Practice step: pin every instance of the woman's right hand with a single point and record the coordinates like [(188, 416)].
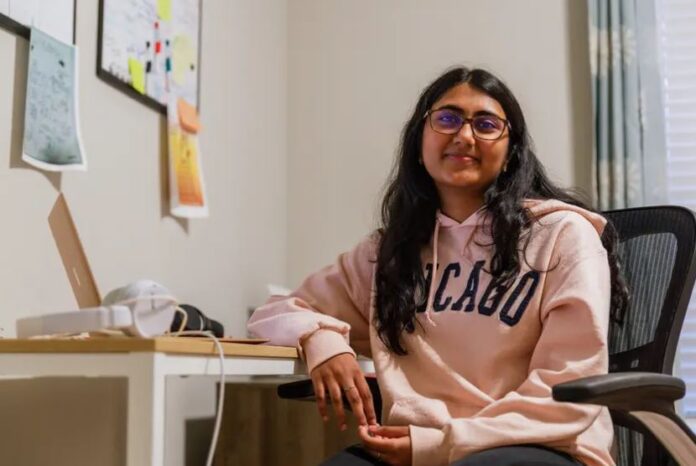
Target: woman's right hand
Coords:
[(342, 374)]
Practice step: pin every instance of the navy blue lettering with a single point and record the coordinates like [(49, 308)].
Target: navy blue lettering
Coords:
[(497, 290), (505, 316), (428, 279), (470, 290), (438, 304)]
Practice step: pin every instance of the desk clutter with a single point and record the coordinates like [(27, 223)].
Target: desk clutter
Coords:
[(143, 308), (140, 309)]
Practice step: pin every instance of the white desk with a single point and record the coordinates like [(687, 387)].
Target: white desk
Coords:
[(145, 363)]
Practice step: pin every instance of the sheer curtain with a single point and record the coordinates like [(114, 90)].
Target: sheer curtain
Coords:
[(629, 139)]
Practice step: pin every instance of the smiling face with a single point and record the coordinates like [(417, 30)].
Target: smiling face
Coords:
[(460, 163)]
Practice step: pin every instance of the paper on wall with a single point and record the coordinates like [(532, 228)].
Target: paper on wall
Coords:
[(52, 139), (186, 185), (163, 35)]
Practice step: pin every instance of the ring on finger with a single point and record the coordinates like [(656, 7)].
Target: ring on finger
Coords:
[(349, 388)]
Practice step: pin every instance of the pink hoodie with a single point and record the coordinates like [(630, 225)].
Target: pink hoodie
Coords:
[(480, 368)]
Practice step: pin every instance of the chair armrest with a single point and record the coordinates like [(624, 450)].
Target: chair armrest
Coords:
[(303, 390), (640, 401), (298, 390), (626, 391)]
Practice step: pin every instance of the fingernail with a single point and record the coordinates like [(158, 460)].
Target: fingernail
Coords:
[(344, 427)]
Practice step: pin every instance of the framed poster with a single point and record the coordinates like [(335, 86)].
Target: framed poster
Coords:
[(151, 48), (54, 17)]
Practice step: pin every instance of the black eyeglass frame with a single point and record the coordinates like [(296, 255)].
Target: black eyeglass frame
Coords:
[(465, 120)]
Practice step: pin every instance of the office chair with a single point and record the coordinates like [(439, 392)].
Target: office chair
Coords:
[(657, 251), (656, 247)]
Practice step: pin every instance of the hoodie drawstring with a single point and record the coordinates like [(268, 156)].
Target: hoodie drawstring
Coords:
[(431, 291)]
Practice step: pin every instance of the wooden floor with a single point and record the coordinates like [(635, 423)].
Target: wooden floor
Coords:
[(259, 429)]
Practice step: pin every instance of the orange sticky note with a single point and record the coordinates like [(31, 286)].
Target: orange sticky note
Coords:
[(188, 116), (186, 168)]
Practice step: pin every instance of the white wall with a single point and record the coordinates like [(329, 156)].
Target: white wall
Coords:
[(356, 69)]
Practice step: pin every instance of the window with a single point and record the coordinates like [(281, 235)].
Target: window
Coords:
[(677, 51)]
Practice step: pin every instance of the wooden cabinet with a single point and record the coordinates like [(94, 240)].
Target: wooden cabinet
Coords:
[(260, 429)]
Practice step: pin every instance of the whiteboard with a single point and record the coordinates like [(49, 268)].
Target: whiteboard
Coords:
[(54, 17), (148, 53)]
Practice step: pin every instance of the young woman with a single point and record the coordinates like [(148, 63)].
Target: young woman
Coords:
[(485, 286)]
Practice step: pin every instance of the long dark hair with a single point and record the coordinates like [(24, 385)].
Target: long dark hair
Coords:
[(411, 201)]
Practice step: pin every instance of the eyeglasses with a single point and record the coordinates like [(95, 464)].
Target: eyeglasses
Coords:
[(483, 127)]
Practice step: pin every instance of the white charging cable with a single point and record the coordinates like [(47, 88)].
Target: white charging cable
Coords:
[(221, 395), (202, 333)]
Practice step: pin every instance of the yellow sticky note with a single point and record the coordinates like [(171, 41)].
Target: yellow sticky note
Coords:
[(164, 9), (137, 73), (183, 58)]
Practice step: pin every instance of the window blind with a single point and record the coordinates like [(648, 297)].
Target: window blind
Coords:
[(677, 52)]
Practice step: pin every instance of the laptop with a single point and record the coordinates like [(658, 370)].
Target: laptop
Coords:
[(73, 255)]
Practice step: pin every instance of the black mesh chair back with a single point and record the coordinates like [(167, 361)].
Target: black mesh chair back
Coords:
[(656, 249)]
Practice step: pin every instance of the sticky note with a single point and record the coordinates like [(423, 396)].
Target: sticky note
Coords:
[(183, 57), (164, 9), (188, 116), (186, 168), (137, 74)]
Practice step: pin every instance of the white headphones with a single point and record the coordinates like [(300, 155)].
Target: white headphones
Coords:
[(142, 309)]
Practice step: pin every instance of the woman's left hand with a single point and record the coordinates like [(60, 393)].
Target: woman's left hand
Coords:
[(391, 444)]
